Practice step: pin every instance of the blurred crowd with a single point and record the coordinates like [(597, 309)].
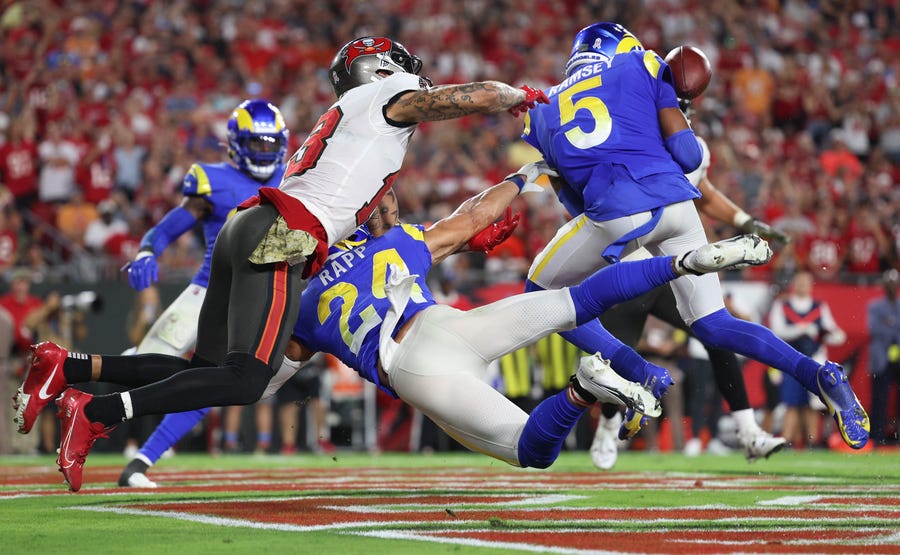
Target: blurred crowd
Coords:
[(105, 104)]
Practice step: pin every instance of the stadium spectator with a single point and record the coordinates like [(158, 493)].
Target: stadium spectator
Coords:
[(58, 157), (884, 358), (806, 323), (99, 231), (19, 160)]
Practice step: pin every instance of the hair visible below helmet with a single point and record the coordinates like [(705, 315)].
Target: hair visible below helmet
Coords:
[(257, 138), (599, 43), (368, 59)]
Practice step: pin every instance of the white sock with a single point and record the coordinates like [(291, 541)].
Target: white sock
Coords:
[(126, 402), (746, 419)]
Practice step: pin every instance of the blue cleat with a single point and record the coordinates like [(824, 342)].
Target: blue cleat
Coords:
[(844, 406), (632, 424)]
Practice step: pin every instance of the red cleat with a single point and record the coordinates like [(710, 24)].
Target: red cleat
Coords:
[(77, 435), (326, 447), (44, 381)]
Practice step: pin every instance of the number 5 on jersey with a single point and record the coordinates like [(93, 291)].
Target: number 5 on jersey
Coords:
[(579, 136)]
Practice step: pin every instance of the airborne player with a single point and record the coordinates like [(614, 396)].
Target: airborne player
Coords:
[(263, 254), (614, 132)]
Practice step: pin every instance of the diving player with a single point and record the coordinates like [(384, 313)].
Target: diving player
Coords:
[(257, 142), (614, 132), (264, 253), (371, 307)]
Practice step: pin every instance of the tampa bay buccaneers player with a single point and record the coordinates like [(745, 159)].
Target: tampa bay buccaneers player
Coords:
[(262, 255)]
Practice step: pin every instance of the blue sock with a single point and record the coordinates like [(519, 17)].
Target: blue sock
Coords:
[(592, 337), (172, 428), (721, 329), (618, 283), (546, 430)]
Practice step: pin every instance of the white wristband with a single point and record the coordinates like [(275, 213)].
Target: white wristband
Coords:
[(143, 254), (741, 218)]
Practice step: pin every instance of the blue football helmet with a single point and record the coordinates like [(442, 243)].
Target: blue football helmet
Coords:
[(599, 43), (257, 138)]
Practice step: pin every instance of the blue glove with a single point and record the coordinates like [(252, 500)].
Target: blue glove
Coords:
[(142, 271)]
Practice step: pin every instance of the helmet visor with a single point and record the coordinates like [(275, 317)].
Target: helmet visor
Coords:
[(410, 62), (264, 144)]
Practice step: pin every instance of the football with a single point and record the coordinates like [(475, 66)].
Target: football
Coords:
[(691, 71)]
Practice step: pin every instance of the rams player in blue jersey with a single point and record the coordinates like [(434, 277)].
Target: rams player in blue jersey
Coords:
[(257, 142), (614, 132), (370, 306)]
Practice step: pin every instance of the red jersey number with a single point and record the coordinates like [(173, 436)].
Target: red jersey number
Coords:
[(311, 150)]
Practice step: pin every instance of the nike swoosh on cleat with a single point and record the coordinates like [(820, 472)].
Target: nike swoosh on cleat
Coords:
[(65, 446), (43, 394)]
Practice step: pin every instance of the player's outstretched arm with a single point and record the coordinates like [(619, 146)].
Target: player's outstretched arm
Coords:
[(454, 101), (143, 270), (472, 226)]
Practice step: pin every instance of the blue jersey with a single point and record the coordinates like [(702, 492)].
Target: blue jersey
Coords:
[(601, 132), (224, 186), (344, 303)]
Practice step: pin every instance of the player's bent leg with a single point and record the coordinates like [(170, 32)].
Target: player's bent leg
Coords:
[(468, 409)]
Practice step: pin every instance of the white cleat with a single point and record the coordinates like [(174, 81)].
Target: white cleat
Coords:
[(139, 480), (600, 380), (605, 447), (760, 444), (737, 252)]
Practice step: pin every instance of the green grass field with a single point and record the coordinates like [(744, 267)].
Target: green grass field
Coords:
[(795, 502)]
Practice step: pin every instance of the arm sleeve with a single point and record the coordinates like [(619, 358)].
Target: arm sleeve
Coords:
[(696, 176), (172, 226), (685, 150)]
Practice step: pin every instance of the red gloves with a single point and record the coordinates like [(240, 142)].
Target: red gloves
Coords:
[(531, 97), (494, 234)]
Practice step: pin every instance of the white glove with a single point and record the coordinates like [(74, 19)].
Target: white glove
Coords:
[(532, 171)]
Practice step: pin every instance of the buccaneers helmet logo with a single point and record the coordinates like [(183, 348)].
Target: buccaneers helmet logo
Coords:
[(366, 47)]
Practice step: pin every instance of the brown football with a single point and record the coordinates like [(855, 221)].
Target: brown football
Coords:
[(691, 71)]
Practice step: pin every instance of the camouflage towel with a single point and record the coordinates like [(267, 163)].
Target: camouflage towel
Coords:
[(283, 244)]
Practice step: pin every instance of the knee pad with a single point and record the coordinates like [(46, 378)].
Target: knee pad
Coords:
[(253, 374)]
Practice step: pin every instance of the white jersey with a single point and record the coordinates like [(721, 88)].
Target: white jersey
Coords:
[(697, 175), (351, 156)]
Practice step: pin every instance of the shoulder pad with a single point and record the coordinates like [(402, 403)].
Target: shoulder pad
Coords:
[(655, 66), (196, 182), (414, 231)]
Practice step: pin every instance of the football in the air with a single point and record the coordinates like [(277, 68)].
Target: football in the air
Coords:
[(691, 71)]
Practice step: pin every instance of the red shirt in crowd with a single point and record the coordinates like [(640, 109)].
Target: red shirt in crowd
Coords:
[(862, 250), (19, 310), (18, 167), (822, 254)]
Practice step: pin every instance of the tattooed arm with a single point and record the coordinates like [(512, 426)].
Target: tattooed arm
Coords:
[(454, 101)]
